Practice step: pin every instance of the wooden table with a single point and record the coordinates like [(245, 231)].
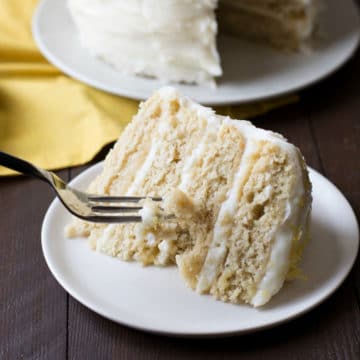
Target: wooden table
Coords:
[(39, 320)]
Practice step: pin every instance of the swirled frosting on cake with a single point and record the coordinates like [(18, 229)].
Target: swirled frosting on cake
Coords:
[(168, 39), (175, 40)]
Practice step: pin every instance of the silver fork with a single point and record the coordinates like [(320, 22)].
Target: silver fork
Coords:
[(89, 207)]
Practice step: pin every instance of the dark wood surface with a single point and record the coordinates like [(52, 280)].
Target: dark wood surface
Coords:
[(39, 320)]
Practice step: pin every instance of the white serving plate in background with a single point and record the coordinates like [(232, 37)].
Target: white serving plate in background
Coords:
[(251, 71)]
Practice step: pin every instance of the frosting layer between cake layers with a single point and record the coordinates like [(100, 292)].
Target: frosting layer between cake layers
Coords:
[(170, 39)]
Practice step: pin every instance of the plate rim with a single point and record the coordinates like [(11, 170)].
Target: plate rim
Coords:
[(55, 205), (130, 93)]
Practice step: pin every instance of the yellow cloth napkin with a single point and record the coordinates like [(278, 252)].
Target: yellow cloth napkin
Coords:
[(55, 121)]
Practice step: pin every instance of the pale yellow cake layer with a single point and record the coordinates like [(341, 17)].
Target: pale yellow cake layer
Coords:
[(285, 24)]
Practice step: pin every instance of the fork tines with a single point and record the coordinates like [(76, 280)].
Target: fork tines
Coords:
[(125, 199), (124, 209), (98, 205)]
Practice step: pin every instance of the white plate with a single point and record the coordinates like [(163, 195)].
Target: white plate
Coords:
[(251, 71), (156, 299)]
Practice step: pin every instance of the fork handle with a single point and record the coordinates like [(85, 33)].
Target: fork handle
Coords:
[(22, 166)]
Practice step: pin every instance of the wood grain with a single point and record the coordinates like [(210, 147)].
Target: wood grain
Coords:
[(334, 109), (322, 334), (38, 320), (313, 336), (32, 304)]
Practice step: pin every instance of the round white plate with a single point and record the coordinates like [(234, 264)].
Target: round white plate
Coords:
[(156, 299), (251, 71)]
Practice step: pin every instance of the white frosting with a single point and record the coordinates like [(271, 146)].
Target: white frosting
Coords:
[(186, 175), (173, 40), (142, 172), (151, 239), (165, 250), (150, 158), (148, 214), (278, 264)]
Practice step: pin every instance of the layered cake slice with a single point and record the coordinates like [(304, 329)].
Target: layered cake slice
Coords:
[(239, 198)]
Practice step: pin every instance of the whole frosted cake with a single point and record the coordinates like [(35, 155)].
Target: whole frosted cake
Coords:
[(175, 40), (239, 197)]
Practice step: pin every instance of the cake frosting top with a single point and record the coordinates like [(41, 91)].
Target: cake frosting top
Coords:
[(169, 39)]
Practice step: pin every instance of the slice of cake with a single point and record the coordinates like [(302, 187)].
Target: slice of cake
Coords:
[(239, 198), (175, 40)]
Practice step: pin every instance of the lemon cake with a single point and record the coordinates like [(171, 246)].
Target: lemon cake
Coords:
[(175, 40), (239, 199)]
